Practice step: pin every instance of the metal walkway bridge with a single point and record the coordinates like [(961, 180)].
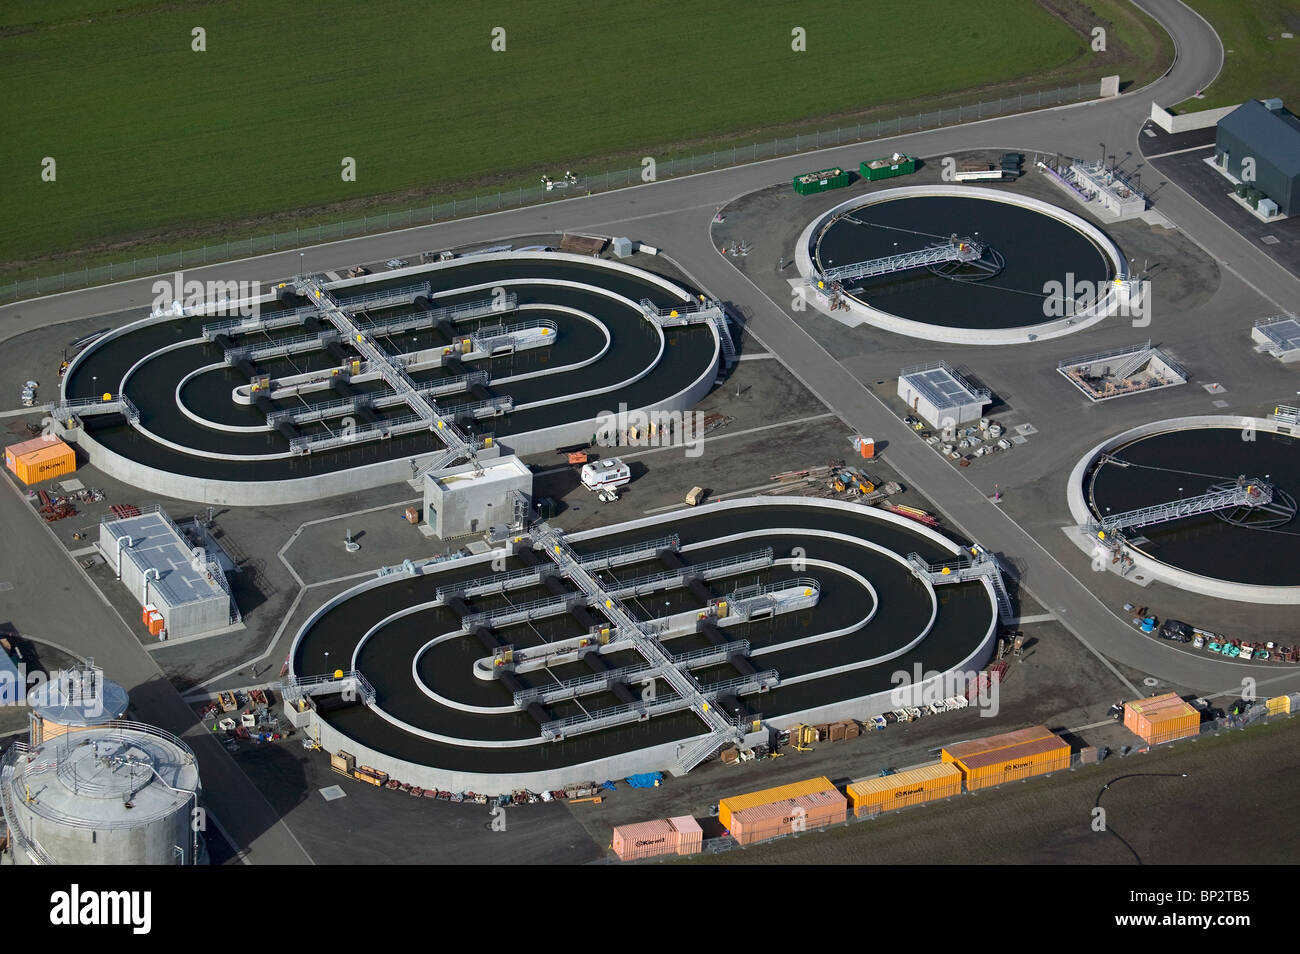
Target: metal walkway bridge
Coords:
[(459, 446), (295, 688), (955, 250), (704, 311), (85, 407), (979, 565), (660, 664), (1250, 493)]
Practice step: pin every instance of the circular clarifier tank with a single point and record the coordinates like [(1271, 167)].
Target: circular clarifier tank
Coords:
[(1246, 551), (1024, 269)]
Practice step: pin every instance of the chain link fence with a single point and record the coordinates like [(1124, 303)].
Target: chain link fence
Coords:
[(533, 195)]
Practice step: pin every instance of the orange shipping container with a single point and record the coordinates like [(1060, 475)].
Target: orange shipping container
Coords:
[(14, 451), (645, 840), (801, 813), (1161, 718), (46, 460), (1008, 757), (155, 624), (913, 787), (690, 836), (146, 611), (735, 803)]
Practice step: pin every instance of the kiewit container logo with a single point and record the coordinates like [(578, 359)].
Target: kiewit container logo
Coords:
[(76, 907), (176, 295)]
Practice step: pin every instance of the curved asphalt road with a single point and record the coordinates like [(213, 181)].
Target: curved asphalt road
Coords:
[(675, 215)]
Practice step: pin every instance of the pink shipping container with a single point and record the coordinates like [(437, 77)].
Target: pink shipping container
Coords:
[(690, 836), (645, 840), (750, 825)]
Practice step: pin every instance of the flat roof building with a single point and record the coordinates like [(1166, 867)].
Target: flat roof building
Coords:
[(940, 395), (183, 583)]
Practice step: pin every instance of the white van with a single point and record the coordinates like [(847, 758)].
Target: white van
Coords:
[(605, 474)]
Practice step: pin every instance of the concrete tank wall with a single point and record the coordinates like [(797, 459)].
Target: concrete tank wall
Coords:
[(153, 843)]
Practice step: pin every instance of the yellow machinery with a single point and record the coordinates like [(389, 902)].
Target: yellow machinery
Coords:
[(802, 737)]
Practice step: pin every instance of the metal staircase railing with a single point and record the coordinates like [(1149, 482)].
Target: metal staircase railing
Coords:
[(85, 407), (295, 688), (695, 312), (963, 569)]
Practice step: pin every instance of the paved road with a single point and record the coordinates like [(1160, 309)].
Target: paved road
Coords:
[(675, 215), (52, 599)]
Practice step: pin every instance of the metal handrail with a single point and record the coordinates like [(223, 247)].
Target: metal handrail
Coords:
[(351, 302), (937, 399), (1103, 355)]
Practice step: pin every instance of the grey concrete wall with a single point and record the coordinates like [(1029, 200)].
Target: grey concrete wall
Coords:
[(1154, 569), (1185, 122), (152, 843)]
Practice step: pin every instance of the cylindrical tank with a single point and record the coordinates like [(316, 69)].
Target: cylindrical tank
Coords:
[(73, 699), (123, 793)]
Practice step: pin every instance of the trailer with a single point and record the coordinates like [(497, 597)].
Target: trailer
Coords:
[(605, 474)]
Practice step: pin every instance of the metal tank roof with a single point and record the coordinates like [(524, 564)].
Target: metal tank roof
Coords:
[(123, 775), (78, 697)]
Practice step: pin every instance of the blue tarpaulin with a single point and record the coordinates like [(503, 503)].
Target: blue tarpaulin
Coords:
[(645, 780), (607, 785)]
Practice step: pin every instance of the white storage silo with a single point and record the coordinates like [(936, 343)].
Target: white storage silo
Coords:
[(120, 793)]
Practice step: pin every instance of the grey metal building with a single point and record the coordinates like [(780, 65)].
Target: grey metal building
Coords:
[(463, 500), (162, 568), (1259, 143)]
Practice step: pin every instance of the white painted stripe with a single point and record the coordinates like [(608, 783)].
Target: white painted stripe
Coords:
[(1179, 152), (1040, 618)]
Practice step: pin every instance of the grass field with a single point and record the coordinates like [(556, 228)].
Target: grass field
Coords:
[(160, 146), (1257, 61), (1046, 821)]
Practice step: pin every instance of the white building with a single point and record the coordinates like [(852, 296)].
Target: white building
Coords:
[(940, 396)]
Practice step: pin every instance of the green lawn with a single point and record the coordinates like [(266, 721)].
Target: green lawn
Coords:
[(1257, 61), (158, 145)]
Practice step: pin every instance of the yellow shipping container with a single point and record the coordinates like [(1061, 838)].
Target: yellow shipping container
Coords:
[(913, 787), (735, 803), (44, 463), (1008, 757), (1163, 718), (1279, 705)]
